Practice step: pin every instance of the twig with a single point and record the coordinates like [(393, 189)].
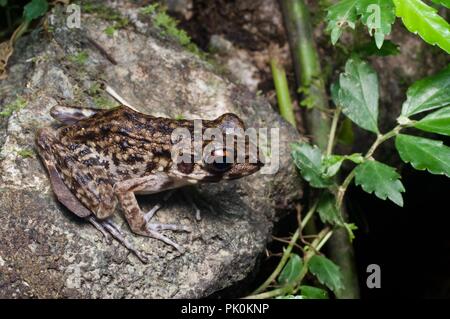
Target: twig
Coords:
[(119, 99), (102, 50)]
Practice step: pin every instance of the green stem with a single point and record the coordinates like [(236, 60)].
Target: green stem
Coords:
[(279, 268), (333, 129), (307, 67), (267, 294), (282, 89), (320, 240), (287, 251), (309, 214)]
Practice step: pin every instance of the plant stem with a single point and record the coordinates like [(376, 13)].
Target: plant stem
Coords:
[(309, 214), (287, 251), (381, 138), (307, 67), (321, 239), (310, 77), (282, 89), (333, 129), (279, 268)]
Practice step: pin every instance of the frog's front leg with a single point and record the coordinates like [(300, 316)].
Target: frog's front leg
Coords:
[(125, 192)]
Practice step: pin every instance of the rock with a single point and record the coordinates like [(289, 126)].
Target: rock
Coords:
[(45, 250)]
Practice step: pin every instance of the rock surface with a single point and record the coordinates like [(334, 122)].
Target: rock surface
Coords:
[(45, 251)]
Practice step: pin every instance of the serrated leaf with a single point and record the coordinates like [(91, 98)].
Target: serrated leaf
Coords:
[(429, 93), (419, 18), (326, 271), (378, 16), (424, 153), (436, 122), (358, 94), (328, 211), (35, 9), (369, 49), (309, 292), (291, 270), (445, 3), (339, 16), (381, 179), (308, 159)]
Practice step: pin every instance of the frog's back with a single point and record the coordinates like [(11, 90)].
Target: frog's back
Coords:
[(128, 143)]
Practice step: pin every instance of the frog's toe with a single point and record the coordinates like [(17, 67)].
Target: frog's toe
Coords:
[(155, 234)]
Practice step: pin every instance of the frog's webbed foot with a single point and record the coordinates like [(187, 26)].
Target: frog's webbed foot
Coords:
[(107, 228), (138, 221)]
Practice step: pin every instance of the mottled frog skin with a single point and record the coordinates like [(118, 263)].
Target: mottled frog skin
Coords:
[(103, 157)]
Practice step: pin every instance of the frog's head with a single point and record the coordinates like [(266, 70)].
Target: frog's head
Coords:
[(228, 152)]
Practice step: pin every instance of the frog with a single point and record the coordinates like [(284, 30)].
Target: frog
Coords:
[(98, 159)]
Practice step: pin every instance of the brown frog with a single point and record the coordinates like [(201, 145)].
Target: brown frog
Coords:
[(103, 157)]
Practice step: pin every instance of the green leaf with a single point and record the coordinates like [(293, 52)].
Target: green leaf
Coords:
[(424, 153), (428, 93), (326, 271), (3, 3), (378, 16), (339, 16), (331, 164), (445, 3), (35, 9), (291, 270), (436, 122), (358, 94), (328, 211), (308, 159), (350, 227), (420, 18), (369, 49), (309, 292), (382, 179)]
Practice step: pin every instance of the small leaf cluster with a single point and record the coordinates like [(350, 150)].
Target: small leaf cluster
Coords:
[(379, 15), (321, 267)]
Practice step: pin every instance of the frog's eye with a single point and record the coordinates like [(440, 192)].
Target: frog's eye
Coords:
[(219, 161)]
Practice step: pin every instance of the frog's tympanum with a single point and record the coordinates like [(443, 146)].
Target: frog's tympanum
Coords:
[(99, 158)]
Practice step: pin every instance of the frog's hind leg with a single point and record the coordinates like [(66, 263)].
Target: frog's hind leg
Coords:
[(136, 218), (70, 114), (77, 176), (45, 142)]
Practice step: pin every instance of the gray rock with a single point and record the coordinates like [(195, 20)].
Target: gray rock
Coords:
[(46, 251)]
